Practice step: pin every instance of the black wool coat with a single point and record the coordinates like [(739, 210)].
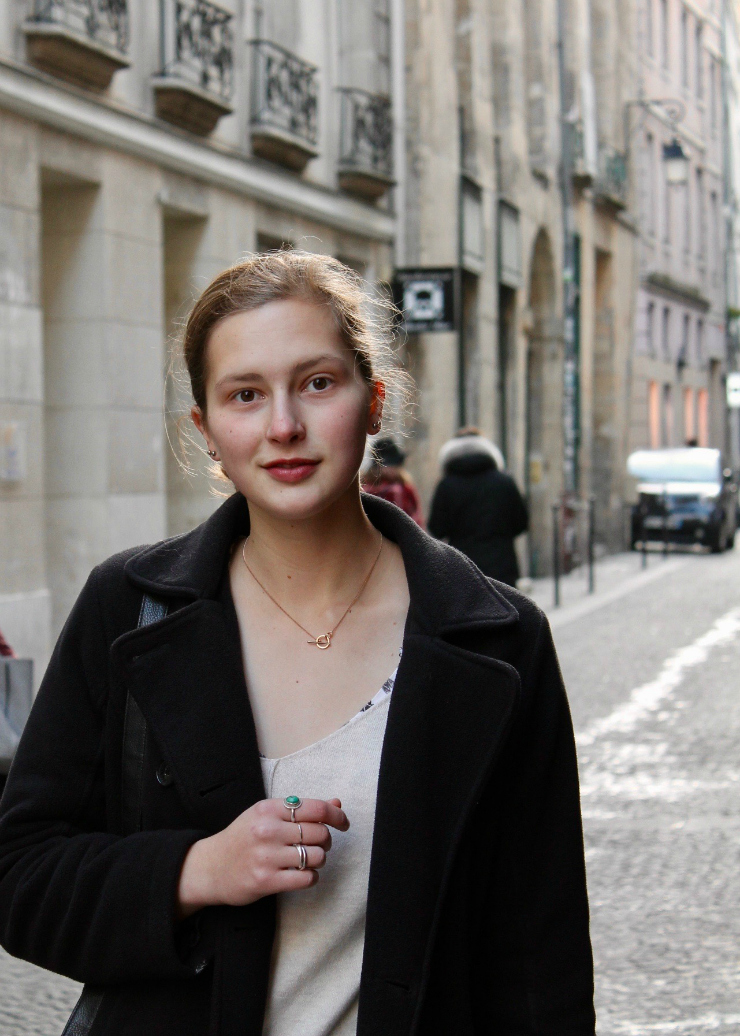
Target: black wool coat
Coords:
[(479, 510), (477, 918)]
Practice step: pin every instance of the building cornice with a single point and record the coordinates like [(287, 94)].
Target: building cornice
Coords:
[(33, 95), (664, 285)]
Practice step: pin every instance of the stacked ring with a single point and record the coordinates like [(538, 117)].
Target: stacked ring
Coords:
[(300, 832), (302, 856)]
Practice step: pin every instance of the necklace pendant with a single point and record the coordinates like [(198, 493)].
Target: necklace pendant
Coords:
[(322, 642)]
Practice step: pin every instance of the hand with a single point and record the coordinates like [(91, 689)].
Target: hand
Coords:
[(255, 855)]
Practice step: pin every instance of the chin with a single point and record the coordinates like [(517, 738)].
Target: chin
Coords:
[(297, 502)]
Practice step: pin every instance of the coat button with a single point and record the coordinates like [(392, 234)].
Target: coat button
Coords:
[(164, 775), (201, 966)]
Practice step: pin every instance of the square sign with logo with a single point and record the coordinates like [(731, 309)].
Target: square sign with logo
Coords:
[(733, 390), (427, 298)]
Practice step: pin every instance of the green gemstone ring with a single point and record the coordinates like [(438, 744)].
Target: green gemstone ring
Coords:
[(292, 802)]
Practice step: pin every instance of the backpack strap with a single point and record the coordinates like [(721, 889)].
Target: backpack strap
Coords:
[(135, 736)]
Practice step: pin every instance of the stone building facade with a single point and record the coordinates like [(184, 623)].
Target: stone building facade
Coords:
[(144, 146), (680, 339), (486, 100)]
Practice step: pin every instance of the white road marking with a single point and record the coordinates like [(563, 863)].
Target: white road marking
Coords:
[(647, 698), (707, 1023)]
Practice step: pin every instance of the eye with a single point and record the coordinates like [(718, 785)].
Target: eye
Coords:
[(318, 384), (246, 396)]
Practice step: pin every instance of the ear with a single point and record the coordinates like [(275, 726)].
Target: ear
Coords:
[(375, 412), (200, 423)]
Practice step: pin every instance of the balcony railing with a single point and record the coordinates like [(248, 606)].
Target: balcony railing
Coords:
[(84, 41), (366, 143), (611, 179), (284, 125), (195, 86)]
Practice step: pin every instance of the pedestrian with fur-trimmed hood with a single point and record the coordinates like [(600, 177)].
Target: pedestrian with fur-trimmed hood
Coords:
[(477, 507)]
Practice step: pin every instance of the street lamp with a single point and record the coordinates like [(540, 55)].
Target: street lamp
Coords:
[(676, 164)]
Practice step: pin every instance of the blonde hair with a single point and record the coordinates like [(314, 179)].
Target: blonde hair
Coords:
[(365, 322)]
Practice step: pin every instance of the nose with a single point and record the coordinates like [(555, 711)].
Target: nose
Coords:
[(285, 423)]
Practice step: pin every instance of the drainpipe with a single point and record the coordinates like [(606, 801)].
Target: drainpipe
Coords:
[(570, 299)]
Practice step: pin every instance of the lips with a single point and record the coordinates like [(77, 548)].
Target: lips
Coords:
[(295, 469)]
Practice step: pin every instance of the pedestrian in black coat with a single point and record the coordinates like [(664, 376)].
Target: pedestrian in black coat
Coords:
[(139, 853), (477, 507)]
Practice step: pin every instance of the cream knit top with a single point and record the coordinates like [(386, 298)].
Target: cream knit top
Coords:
[(317, 957)]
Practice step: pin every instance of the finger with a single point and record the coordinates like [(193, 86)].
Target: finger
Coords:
[(294, 881), (317, 811), (313, 834), (290, 857)]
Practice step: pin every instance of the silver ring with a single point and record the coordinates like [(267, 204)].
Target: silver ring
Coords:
[(292, 803), (300, 832), (302, 856)]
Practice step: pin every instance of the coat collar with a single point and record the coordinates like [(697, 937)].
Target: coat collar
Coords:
[(448, 592)]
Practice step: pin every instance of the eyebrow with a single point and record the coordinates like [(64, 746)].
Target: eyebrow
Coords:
[(299, 368)]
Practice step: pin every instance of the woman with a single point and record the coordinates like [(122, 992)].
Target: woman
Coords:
[(477, 507), (228, 814), (386, 478)]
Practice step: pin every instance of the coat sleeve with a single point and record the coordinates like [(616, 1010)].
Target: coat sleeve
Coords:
[(75, 898), (538, 963)]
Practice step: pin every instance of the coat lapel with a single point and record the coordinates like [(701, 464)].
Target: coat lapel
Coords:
[(448, 717), (186, 676)]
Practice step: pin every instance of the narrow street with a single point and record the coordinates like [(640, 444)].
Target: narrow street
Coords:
[(652, 672)]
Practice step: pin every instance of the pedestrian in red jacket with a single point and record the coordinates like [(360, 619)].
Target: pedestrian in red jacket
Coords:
[(387, 479)]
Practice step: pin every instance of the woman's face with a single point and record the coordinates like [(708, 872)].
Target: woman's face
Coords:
[(286, 414)]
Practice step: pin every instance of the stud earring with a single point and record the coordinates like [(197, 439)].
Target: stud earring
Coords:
[(376, 425), (212, 453)]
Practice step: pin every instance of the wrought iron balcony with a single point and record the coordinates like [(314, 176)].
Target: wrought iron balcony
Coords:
[(82, 41), (611, 182), (284, 127), (366, 144), (195, 86)]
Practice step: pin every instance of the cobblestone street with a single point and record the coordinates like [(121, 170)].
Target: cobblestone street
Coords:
[(651, 663)]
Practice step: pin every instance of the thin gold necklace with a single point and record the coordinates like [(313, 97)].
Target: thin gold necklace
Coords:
[(323, 641)]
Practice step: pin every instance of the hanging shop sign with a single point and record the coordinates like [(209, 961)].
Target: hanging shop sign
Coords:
[(733, 390), (427, 299)]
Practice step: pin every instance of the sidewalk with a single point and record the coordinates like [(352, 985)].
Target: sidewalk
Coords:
[(615, 576)]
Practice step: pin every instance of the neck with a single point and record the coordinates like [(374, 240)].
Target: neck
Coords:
[(323, 557)]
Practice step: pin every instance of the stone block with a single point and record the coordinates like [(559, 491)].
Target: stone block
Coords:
[(133, 280), (135, 519), (133, 364), (129, 198), (74, 277), (69, 160), (19, 184), (19, 256), (25, 619), (21, 353), (77, 538), (74, 363), (76, 452), (21, 545), (135, 452)]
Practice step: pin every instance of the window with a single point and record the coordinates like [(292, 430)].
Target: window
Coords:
[(689, 417), (649, 28), (714, 94), (687, 217), (683, 356), (702, 417), (666, 342), (667, 429), (667, 210), (654, 414), (649, 324), (699, 60), (685, 48), (699, 342), (664, 52)]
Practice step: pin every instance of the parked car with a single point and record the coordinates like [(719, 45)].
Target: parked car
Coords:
[(685, 496)]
